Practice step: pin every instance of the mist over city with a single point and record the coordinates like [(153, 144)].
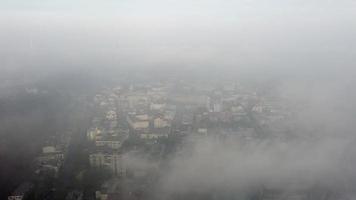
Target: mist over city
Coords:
[(178, 100)]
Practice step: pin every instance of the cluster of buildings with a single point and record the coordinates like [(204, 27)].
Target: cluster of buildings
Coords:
[(148, 113), (151, 112), (53, 154), (137, 118), (142, 112), (106, 135), (157, 110), (50, 160)]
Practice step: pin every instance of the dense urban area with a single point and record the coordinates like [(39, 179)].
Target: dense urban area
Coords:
[(123, 141)]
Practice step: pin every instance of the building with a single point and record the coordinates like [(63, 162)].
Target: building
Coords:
[(21, 192), (156, 133), (138, 122), (160, 122), (157, 106), (113, 144), (93, 133), (107, 160), (50, 161), (48, 149)]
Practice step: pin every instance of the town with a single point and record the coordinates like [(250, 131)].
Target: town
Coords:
[(134, 131)]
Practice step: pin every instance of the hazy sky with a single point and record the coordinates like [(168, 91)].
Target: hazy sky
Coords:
[(190, 34)]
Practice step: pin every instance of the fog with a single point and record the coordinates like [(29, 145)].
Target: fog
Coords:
[(55, 55), (178, 34), (319, 150)]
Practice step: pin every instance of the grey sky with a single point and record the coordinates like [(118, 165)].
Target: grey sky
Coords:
[(198, 33)]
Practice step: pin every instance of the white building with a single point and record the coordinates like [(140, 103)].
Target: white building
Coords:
[(138, 122)]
